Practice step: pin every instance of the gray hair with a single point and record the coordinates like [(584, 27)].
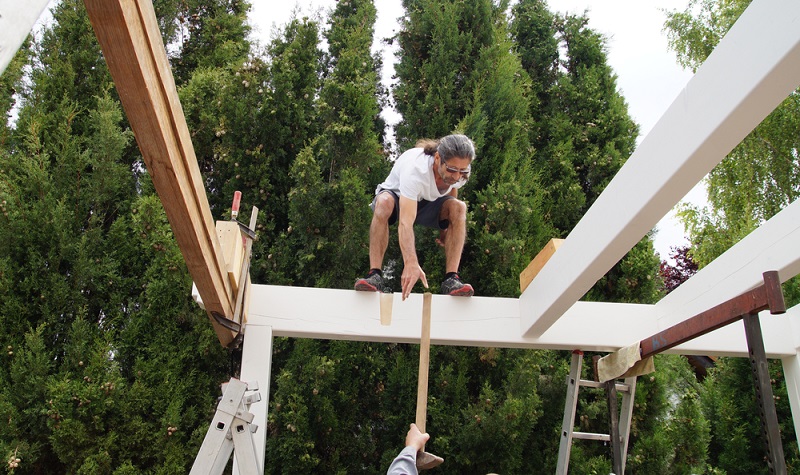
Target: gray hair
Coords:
[(449, 146)]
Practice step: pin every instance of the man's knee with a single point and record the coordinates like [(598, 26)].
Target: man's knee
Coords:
[(384, 206), (454, 210)]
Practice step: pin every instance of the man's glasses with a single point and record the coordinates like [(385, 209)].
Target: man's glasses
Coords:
[(464, 173)]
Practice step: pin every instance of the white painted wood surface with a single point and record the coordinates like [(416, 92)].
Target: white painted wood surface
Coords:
[(16, 21), (304, 312), (257, 366), (791, 371), (773, 246)]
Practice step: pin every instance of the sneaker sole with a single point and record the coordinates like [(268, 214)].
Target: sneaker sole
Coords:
[(364, 286), (465, 291)]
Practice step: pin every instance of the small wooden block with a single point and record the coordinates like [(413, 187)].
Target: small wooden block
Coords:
[(231, 240), (530, 272), (386, 301)]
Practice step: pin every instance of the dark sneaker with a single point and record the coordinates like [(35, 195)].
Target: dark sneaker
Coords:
[(373, 282), (453, 286)]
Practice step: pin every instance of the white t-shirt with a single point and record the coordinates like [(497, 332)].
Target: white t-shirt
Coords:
[(412, 177)]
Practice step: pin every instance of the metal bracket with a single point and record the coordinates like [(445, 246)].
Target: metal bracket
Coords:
[(240, 294), (766, 402), (226, 322)]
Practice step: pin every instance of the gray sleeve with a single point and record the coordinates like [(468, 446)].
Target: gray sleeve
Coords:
[(405, 463)]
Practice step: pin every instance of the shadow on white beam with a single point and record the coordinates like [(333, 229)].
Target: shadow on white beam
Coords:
[(303, 312), (753, 69), (476, 321)]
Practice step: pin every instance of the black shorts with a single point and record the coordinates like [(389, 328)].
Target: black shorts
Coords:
[(427, 211)]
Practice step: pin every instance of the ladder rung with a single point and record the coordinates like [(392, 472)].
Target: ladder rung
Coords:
[(591, 436), (621, 388)]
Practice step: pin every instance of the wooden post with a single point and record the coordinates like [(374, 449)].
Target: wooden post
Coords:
[(424, 362), (425, 460)]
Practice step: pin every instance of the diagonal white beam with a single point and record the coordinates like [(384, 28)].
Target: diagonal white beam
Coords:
[(773, 246), (754, 68), (16, 20)]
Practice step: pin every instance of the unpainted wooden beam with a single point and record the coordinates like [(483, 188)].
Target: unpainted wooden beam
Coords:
[(530, 272), (134, 51)]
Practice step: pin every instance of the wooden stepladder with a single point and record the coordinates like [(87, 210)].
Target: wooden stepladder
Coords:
[(619, 419)]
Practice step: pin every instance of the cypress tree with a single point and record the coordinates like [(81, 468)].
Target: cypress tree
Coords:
[(509, 227), (336, 174), (85, 306), (439, 43), (216, 32)]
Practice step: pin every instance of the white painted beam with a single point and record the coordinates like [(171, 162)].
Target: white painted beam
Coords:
[(475, 321), (16, 20), (791, 371), (754, 68), (303, 312), (257, 367)]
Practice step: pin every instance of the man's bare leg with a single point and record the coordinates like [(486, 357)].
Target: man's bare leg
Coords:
[(378, 242), (454, 211), (379, 229)]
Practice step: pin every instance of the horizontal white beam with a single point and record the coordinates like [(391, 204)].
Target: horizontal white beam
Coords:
[(753, 69), (304, 312)]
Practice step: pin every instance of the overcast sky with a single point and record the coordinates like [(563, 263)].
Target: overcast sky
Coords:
[(648, 76)]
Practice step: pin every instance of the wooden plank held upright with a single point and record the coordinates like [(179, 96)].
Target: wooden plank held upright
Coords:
[(131, 42)]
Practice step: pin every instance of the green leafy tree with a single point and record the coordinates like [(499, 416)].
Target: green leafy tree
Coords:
[(759, 177), (508, 225), (10, 86), (336, 174), (250, 116), (215, 32), (582, 135), (753, 183)]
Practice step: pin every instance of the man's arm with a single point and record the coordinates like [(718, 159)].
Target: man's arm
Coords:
[(412, 272), (406, 461)]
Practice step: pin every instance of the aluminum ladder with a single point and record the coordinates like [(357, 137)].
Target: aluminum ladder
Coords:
[(619, 419)]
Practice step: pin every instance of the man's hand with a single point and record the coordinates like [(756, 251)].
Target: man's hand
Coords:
[(411, 274), (416, 439), (442, 237)]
